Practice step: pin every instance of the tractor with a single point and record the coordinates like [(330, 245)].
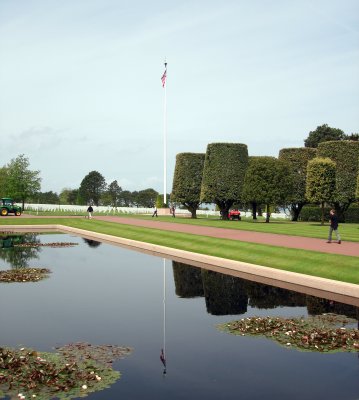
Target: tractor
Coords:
[(8, 206)]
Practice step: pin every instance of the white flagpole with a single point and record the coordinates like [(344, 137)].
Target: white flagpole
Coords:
[(165, 140), (164, 311)]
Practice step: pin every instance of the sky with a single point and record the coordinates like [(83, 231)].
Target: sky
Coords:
[(80, 81)]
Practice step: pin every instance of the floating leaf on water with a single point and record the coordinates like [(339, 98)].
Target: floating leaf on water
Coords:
[(24, 275), (54, 244), (66, 374), (319, 333)]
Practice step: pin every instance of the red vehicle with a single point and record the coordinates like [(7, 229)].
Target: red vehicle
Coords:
[(234, 214)]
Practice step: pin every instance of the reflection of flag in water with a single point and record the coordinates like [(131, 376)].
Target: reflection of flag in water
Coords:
[(163, 77), (162, 358)]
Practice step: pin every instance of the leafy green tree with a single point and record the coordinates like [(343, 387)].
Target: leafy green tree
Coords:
[(92, 187), (321, 173), (21, 182), (3, 179), (114, 191), (345, 155), (147, 198), (223, 174), (267, 181), (323, 133), (187, 181), (297, 158)]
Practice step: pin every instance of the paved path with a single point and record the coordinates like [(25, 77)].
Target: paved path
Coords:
[(296, 242)]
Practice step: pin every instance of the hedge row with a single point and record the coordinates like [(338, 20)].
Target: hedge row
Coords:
[(314, 214)]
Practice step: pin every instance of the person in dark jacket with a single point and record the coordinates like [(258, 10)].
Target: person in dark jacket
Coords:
[(333, 219), (90, 211)]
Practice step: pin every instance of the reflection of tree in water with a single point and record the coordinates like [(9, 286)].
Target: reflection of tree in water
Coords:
[(92, 243), (266, 296), (224, 294), (188, 280), (317, 306), (18, 257)]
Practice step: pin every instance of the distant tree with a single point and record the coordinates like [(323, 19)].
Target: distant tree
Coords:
[(21, 182), (321, 173), (357, 188), (267, 181), (114, 192), (64, 195), (147, 198), (345, 155), (297, 158), (223, 174), (45, 198), (160, 200), (323, 133), (125, 199), (73, 196), (352, 136), (92, 187), (187, 181)]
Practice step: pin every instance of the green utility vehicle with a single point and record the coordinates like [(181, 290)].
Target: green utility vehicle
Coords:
[(7, 206)]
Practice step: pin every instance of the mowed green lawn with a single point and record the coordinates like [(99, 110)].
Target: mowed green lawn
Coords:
[(349, 232), (337, 267)]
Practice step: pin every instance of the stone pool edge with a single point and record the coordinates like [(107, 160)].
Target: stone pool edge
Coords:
[(349, 290)]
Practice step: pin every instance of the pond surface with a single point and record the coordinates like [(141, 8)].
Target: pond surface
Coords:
[(105, 294)]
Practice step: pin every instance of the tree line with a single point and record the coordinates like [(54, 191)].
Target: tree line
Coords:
[(324, 171), (24, 185)]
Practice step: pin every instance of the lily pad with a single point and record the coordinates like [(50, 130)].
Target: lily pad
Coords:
[(75, 370), (54, 244), (24, 275), (322, 333)]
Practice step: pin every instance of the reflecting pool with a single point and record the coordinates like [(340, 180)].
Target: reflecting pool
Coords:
[(105, 294)]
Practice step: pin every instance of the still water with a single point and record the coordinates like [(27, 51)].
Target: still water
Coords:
[(105, 294)]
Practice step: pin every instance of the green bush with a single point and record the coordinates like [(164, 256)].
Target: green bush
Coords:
[(312, 213)]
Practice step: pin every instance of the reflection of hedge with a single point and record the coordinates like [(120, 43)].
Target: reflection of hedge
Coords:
[(223, 174), (224, 294), (345, 154), (313, 214), (266, 296), (188, 280), (318, 306)]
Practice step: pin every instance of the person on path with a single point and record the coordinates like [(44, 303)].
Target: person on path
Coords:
[(90, 211), (155, 212), (333, 219), (173, 211)]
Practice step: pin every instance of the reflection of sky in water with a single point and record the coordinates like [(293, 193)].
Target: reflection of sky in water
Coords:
[(112, 295)]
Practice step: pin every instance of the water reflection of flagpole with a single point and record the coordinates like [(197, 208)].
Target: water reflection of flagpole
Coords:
[(163, 351)]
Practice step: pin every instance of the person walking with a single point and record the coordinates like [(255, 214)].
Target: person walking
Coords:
[(90, 211), (333, 219), (155, 212), (173, 211)]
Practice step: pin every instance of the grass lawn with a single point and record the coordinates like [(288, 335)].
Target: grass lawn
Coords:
[(348, 232), (337, 267)]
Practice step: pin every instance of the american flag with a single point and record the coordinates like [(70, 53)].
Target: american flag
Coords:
[(163, 78)]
